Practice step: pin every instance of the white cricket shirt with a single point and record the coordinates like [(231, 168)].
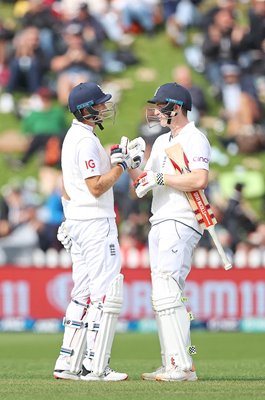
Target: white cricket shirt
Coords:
[(170, 203), (83, 156)]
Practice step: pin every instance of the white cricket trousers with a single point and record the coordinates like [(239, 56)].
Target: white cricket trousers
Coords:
[(95, 256), (171, 247)]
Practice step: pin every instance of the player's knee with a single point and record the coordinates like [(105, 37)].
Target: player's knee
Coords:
[(166, 293), (114, 296)]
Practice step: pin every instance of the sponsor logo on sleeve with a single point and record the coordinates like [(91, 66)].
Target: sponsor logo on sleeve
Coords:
[(90, 164), (201, 159)]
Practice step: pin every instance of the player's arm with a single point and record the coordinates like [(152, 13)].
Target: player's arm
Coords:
[(193, 181), (134, 173), (97, 185), (89, 162), (192, 165), (196, 180)]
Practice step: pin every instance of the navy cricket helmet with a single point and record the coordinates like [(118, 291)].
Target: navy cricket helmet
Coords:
[(86, 96), (172, 93)]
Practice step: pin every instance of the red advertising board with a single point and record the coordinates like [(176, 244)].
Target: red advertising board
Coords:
[(44, 293)]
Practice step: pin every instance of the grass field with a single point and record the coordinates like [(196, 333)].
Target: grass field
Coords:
[(229, 366)]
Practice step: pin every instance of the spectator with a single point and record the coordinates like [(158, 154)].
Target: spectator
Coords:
[(6, 35), (255, 38), (182, 75), (28, 64), (222, 44), (134, 232), (207, 18), (50, 217), (122, 198), (242, 109), (91, 26), (40, 15), (75, 63), (186, 14), (237, 219), (21, 237), (169, 8), (257, 238), (45, 129), (94, 35), (256, 14), (5, 227), (141, 12), (109, 15)]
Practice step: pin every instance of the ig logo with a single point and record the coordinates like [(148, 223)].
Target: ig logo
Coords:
[(90, 164)]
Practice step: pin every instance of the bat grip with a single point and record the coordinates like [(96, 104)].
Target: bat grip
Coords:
[(226, 263)]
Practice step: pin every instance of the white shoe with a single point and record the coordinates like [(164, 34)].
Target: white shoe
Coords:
[(176, 374), (108, 375), (62, 369), (151, 376), (65, 374)]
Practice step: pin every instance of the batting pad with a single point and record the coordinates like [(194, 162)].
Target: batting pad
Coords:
[(83, 337), (161, 339), (74, 329), (93, 325), (174, 321), (78, 347), (111, 310)]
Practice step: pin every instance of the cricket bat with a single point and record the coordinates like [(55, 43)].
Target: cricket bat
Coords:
[(198, 201)]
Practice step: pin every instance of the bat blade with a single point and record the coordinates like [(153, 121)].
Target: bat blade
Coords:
[(198, 201)]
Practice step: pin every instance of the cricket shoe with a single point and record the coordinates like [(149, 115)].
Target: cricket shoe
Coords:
[(62, 370), (108, 375), (65, 374), (151, 376), (176, 374)]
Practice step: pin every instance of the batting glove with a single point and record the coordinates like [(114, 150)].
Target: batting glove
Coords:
[(147, 181), (64, 238), (119, 154), (136, 149)]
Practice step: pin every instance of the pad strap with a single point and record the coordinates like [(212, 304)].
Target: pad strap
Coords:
[(80, 304), (70, 323), (66, 351)]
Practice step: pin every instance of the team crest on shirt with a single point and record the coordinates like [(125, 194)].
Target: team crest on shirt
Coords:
[(112, 249), (90, 164)]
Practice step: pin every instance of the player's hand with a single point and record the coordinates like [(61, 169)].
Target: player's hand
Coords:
[(64, 238), (136, 149), (119, 154), (147, 181)]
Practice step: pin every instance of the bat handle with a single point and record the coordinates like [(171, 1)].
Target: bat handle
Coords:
[(226, 262)]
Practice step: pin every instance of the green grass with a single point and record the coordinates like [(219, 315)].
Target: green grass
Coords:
[(229, 366)]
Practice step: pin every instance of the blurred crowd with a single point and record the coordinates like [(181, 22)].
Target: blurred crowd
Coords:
[(48, 47)]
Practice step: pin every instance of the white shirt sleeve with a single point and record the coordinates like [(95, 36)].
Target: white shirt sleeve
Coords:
[(88, 158), (199, 154)]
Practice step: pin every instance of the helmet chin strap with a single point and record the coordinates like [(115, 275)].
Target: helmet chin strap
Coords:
[(93, 114), (168, 110), (101, 127), (172, 114)]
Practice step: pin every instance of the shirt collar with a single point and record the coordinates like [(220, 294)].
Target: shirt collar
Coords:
[(183, 130), (87, 127)]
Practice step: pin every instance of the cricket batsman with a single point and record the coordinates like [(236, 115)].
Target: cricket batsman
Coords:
[(175, 231), (90, 232)]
